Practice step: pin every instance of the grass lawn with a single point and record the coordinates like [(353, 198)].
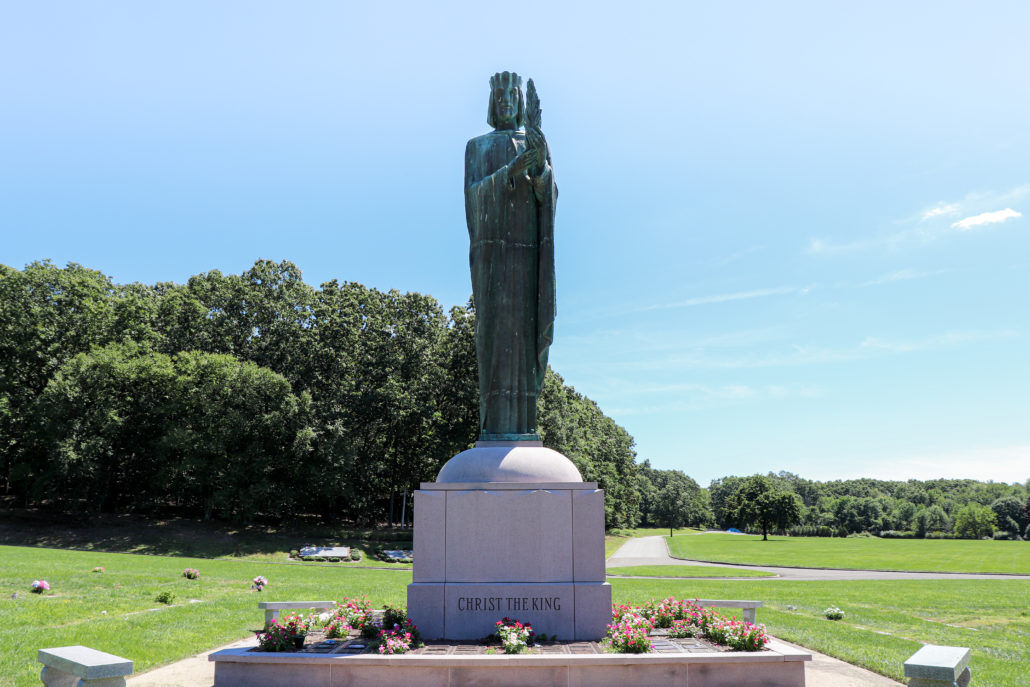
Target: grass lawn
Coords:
[(616, 538), (185, 537), (135, 625), (930, 555), (685, 571), (885, 619)]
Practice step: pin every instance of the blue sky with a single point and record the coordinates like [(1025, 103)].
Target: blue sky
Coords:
[(791, 236)]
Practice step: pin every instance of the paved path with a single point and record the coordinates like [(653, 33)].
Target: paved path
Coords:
[(654, 551)]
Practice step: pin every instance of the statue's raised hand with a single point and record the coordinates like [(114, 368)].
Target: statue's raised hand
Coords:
[(536, 143), (527, 162)]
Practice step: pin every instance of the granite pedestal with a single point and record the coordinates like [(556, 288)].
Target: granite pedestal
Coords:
[(527, 544)]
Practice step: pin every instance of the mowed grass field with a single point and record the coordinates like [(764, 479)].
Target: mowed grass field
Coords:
[(885, 622), (861, 553), (218, 608), (685, 571)]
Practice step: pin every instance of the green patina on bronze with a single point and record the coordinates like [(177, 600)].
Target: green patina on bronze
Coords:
[(510, 198)]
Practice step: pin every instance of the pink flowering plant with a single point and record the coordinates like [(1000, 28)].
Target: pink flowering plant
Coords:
[(663, 613), (275, 637), (98, 569), (685, 628), (515, 636), (398, 637), (632, 625), (743, 636), (259, 582), (356, 611), (298, 625), (191, 574), (40, 586), (337, 627), (629, 631), (395, 641)]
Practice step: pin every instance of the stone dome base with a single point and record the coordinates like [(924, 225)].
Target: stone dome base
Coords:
[(509, 461)]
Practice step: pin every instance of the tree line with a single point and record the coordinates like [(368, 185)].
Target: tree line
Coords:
[(914, 508), (257, 396), (252, 396)]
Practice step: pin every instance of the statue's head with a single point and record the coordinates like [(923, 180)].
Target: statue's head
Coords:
[(507, 109)]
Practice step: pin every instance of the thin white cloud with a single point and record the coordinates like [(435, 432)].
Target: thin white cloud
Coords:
[(926, 226), (800, 355), (985, 218), (736, 256), (823, 247), (727, 297), (901, 275), (679, 398), (944, 209)]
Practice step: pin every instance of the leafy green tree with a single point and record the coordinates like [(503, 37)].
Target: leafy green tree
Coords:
[(758, 502), (240, 438), (48, 315), (575, 426), (102, 418), (975, 521), (672, 507), (1008, 511), (662, 490), (721, 492), (937, 520)]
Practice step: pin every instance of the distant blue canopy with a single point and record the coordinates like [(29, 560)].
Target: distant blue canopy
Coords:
[(734, 530)]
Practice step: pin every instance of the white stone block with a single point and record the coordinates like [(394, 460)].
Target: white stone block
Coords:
[(934, 666), (593, 610), (588, 535), (84, 662), (430, 539), (426, 608), (327, 551), (509, 536)]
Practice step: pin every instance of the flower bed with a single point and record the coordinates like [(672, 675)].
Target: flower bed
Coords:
[(632, 626), (390, 631)]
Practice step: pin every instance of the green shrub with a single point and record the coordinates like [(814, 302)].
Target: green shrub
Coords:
[(355, 555), (164, 598), (897, 534), (811, 531)]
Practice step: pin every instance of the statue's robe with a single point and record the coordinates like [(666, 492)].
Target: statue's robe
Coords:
[(511, 233)]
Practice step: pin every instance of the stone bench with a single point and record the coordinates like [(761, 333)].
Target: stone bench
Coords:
[(272, 608), (750, 608), (80, 666), (938, 666)]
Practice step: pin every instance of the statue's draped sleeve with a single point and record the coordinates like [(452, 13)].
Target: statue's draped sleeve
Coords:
[(511, 233)]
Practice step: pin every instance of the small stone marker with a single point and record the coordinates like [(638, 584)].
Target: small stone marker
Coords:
[(80, 666), (938, 666), (326, 551)]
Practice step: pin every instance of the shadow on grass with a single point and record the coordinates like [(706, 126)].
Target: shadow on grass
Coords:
[(184, 537)]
